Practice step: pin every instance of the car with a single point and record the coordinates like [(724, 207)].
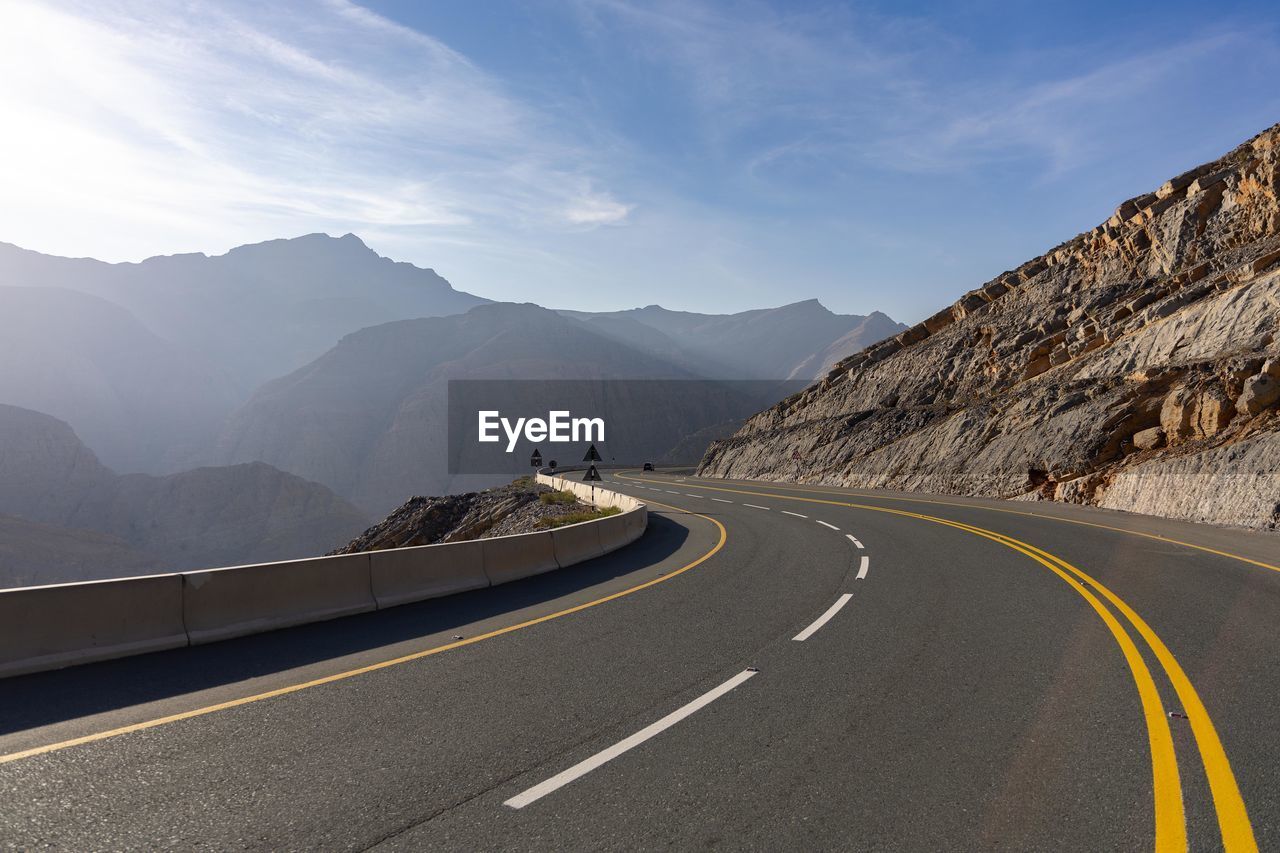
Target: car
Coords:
[(648, 466)]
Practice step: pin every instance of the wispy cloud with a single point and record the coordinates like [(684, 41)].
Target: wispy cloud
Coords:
[(138, 124), (871, 156), (781, 85)]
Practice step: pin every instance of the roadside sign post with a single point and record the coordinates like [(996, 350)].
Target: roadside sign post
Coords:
[(536, 459), (593, 456), (592, 477)]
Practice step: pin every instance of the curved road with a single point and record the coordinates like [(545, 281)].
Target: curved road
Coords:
[(770, 667)]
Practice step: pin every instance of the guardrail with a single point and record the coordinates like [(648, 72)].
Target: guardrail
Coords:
[(49, 627)]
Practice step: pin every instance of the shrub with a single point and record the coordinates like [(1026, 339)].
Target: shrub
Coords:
[(558, 497), (575, 517)]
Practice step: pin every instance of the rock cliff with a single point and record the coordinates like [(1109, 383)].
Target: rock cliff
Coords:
[(519, 507), (1135, 366)]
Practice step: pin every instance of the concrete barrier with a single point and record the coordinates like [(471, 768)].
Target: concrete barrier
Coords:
[(575, 543), (637, 522), (222, 603), (615, 531), (402, 575), (48, 627), (64, 624), (598, 497), (510, 558)]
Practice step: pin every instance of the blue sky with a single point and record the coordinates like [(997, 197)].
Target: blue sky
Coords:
[(602, 154)]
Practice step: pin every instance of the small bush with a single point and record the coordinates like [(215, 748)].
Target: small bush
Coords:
[(575, 517), (558, 497)]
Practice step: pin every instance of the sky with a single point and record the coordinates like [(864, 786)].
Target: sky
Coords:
[(607, 154)]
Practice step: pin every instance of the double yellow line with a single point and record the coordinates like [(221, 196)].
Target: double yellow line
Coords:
[(1170, 818)]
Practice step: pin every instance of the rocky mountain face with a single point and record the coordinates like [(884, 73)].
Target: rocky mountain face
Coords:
[(501, 511), (32, 554), (1132, 367), (58, 503), (797, 341)]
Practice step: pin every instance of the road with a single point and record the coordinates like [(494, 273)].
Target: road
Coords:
[(770, 667)]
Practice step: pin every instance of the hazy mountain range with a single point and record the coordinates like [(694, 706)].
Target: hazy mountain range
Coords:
[(797, 341), (369, 417), (319, 358), (58, 502)]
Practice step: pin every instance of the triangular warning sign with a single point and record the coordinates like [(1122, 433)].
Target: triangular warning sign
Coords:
[(592, 475), (593, 455)]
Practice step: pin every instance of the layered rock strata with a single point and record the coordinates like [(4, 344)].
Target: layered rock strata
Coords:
[(1135, 366)]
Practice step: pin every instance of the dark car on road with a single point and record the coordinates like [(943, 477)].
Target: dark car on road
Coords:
[(648, 466)]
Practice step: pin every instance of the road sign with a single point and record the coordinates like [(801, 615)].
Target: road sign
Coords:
[(593, 455), (592, 475), (552, 464), (536, 459)]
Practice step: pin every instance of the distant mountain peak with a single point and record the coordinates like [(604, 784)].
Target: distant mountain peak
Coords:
[(805, 305), (316, 241)]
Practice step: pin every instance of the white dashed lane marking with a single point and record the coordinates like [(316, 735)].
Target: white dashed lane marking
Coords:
[(823, 619), (582, 768)]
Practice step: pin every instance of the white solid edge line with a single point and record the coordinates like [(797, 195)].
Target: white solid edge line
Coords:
[(851, 538), (824, 618), (796, 514), (721, 500), (863, 566), (582, 768), (756, 506), (832, 526)]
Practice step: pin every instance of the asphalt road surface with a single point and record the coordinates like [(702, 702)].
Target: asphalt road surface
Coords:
[(770, 667)]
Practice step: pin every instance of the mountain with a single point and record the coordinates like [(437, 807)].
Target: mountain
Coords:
[(148, 360), (872, 329), (33, 554), (369, 418), (258, 311), (796, 341), (143, 402), (58, 500), (1135, 367)]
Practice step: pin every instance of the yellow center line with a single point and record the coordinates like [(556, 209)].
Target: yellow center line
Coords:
[(1094, 524), (352, 673), (1233, 819)]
